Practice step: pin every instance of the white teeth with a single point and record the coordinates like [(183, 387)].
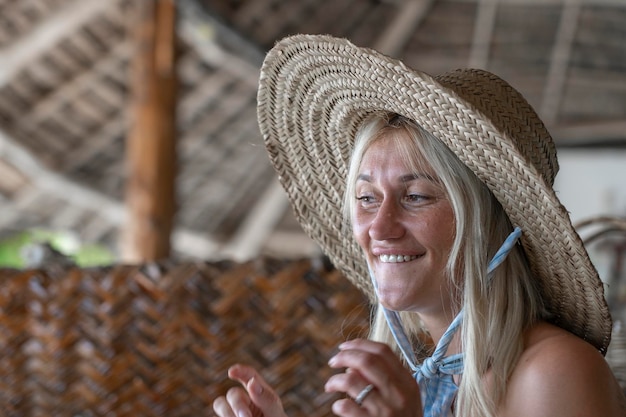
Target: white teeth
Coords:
[(396, 258)]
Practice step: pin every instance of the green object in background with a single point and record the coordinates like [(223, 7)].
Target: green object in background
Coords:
[(11, 248), (93, 255)]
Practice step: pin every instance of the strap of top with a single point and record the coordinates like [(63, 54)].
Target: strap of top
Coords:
[(437, 392)]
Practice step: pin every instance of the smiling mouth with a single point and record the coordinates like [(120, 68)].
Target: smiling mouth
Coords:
[(396, 259)]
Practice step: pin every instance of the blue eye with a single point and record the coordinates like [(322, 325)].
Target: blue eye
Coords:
[(367, 201), (416, 197)]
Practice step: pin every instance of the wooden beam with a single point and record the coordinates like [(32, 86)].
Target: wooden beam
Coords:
[(213, 42), (190, 243), (56, 27), (45, 181), (151, 145), (602, 3), (557, 73), (206, 34), (483, 33), (48, 181), (294, 244), (399, 31), (604, 133), (259, 224), (48, 105)]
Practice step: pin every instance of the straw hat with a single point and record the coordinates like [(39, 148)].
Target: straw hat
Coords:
[(315, 90)]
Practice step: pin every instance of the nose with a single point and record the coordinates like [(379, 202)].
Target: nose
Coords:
[(387, 223)]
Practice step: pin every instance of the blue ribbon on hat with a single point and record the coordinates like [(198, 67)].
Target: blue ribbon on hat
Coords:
[(435, 374)]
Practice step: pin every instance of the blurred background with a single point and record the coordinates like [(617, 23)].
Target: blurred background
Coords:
[(128, 135), (125, 124)]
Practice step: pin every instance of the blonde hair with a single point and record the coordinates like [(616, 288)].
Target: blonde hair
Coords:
[(496, 312)]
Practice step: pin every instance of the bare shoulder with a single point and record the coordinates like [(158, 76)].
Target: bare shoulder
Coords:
[(559, 374)]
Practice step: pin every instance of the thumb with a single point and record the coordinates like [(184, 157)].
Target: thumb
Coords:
[(242, 373)]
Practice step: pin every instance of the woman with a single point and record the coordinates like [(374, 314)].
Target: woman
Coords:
[(439, 178)]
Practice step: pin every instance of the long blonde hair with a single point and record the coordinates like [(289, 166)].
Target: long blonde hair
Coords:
[(496, 312)]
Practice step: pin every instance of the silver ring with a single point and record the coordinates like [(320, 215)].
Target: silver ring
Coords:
[(364, 392)]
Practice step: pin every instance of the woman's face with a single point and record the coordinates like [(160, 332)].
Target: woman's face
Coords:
[(405, 225)]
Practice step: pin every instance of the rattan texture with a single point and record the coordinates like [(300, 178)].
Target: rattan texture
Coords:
[(315, 90), (616, 355), (157, 339)]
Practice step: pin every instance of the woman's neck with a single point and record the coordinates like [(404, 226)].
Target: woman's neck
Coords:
[(436, 325)]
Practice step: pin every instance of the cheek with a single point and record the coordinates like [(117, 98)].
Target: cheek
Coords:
[(445, 228), (438, 228), (360, 230)]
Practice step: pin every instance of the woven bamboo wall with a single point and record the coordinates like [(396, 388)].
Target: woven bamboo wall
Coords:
[(156, 340)]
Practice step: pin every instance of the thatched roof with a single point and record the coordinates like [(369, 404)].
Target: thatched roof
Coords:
[(64, 98)]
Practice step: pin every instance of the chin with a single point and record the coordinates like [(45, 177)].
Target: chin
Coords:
[(395, 304)]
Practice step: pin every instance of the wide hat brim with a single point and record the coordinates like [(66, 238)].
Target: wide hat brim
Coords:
[(315, 90)]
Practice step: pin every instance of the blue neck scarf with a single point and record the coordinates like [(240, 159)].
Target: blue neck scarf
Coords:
[(435, 374)]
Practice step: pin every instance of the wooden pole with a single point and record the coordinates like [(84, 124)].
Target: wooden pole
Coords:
[(151, 145)]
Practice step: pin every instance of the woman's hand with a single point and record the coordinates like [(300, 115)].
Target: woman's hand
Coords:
[(255, 398), (395, 392)]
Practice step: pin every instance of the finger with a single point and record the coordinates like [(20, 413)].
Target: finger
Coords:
[(377, 349), (374, 364), (222, 408), (239, 402), (346, 408), (261, 394), (265, 398), (252, 381), (365, 345), (242, 373), (350, 383)]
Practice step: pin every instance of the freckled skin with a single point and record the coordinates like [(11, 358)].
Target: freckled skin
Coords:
[(398, 212)]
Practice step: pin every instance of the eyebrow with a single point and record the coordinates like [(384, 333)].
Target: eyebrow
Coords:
[(404, 178)]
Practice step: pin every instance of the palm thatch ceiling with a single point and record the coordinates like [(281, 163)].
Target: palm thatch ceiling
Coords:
[(64, 99)]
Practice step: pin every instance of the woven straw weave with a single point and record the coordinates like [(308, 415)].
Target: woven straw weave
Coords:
[(315, 91), (616, 355), (156, 340)]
